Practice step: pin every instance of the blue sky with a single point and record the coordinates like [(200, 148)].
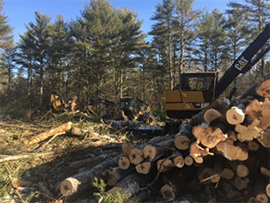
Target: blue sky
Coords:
[(21, 12)]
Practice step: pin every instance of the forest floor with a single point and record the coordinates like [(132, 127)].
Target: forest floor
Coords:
[(30, 172)]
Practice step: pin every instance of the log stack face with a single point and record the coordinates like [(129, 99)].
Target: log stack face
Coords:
[(227, 154)]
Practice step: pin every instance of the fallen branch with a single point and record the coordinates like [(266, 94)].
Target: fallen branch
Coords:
[(62, 129), (14, 186), (18, 157)]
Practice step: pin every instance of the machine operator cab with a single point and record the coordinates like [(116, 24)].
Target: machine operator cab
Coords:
[(195, 92)]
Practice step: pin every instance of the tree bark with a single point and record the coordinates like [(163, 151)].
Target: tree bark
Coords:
[(182, 139), (81, 182), (62, 129), (211, 115), (164, 165), (116, 174), (132, 184)]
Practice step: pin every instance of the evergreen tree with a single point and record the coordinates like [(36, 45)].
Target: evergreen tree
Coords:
[(211, 40), (34, 46), (185, 20), (99, 21), (256, 13), (6, 44), (237, 31), (25, 60), (59, 52), (163, 36), (6, 38), (82, 76), (128, 40)]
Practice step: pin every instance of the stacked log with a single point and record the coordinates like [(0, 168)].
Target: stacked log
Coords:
[(224, 149)]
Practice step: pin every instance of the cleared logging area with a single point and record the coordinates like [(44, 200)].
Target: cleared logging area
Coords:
[(219, 155)]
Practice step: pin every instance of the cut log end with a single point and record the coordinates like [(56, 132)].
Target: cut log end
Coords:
[(250, 132), (208, 136), (179, 162), (188, 161), (197, 152), (136, 156), (164, 165), (69, 186), (235, 116), (182, 142), (149, 152), (144, 168), (267, 189), (210, 115), (264, 89), (232, 152), (204, 175), (112, 180), (227, 173), (265, 139), (123, 162), (242, 170), (168, 192), (262, 198)]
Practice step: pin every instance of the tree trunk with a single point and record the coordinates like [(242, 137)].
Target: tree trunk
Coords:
[(152, 151), (62, 129), (81, 182), (116, 174), (182, 139)]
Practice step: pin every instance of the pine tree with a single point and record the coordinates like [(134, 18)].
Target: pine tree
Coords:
[(211, 40), (185, 25), (256, 13), (6, 38), (34, 46), (6, 45), (127, 42), (259, 12), (163, 36), (99, 21), (59, 52)]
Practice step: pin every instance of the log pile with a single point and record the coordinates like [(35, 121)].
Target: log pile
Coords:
[(221, 154)]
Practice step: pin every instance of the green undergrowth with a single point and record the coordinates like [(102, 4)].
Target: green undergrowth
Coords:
[(108, 197)]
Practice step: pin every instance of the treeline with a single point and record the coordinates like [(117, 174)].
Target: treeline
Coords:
[(104, 52)]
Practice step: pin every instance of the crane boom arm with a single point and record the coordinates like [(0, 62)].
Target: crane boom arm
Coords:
[(245, 61)]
